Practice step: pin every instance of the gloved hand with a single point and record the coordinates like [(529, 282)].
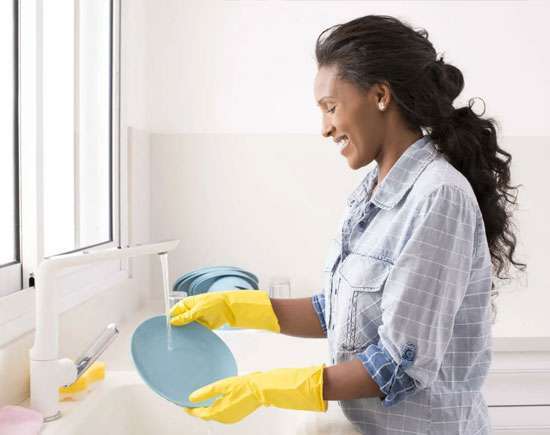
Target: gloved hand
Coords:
[(240, 308), (300, 388)]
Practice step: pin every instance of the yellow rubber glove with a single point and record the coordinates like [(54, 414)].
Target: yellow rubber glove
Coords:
[(240, 308), (300, 388)]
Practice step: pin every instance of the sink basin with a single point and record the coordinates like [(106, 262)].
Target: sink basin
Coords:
[(122, 404)]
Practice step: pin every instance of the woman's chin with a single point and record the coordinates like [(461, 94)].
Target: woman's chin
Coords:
[(353, 163)]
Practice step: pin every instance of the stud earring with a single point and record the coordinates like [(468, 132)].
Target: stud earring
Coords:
[(381, 105)]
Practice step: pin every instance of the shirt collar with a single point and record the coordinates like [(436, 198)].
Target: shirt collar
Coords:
[(400, 177)]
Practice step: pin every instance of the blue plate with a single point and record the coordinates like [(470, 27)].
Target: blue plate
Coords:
[(203, 283), (185, 282), (196, 357), (230, 283), (203, 270)]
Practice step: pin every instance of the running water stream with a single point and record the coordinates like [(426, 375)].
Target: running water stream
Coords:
[(166, 286)]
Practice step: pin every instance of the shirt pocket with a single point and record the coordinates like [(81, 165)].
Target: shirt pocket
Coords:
[(361, 286)]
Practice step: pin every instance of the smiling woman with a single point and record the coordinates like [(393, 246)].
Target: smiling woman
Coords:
[(410, 274)]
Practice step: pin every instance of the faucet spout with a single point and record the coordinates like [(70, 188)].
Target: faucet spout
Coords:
[(47, 371)]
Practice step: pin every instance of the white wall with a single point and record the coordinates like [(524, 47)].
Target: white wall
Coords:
[(240, 172), (248, 66)]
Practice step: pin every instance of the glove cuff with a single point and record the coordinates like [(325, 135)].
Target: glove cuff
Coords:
[(252, 309), (319, 378), (300, 389)]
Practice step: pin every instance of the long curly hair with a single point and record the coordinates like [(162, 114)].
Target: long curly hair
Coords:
[(382, 49)]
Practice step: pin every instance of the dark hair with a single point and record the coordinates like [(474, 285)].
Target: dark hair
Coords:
[(382, 49)]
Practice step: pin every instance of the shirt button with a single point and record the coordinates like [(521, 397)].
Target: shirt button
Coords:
[(332, 326), (361, 224)]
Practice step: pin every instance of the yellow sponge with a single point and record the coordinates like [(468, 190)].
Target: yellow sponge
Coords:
[(94, 373)]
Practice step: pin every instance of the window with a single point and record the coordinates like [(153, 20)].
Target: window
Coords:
[(59, 165), (10, 268), (77, 114)]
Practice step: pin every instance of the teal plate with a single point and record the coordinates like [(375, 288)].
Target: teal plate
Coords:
[(230, 282), (196, 357), (202, 283), (208, 269), (185, 281)]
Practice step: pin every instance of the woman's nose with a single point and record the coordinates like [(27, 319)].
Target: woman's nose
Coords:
[(326, 129)]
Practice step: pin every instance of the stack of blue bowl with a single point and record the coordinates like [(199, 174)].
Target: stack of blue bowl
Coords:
[(215, 278)]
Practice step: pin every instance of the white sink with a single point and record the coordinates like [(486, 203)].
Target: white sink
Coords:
[(122, 404)]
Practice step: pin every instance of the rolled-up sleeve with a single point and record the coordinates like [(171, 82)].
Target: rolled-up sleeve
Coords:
[(423, 294), (318, 301), (389, 375)]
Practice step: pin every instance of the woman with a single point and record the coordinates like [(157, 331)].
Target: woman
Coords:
[(406, 303)]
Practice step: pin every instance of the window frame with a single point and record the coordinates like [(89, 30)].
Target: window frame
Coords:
[(17, 308), (10, 273)]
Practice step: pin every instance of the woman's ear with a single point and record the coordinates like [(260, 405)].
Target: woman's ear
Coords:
[(382, 94)]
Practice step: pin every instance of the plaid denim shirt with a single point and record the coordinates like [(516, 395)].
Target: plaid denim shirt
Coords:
[(407, 292)]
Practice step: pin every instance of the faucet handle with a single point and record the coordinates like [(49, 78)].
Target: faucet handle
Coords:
[(96, 349)]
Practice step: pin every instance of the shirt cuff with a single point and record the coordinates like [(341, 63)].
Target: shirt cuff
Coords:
[(390, 377), (318, 302)]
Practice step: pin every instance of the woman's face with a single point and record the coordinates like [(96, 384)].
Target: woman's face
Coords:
[(349, 111)]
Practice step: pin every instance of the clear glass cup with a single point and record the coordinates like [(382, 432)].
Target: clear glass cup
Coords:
[(175, 297), (279, 287)]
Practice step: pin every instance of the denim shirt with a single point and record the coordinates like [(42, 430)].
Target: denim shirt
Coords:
[(407, 293)]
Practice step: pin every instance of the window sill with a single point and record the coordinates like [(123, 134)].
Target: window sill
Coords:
[(17, 310)]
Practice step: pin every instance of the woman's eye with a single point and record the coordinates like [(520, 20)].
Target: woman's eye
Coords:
[(332, 110)]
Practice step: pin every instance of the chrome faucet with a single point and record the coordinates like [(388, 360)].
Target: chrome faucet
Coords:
[(47, 371)]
